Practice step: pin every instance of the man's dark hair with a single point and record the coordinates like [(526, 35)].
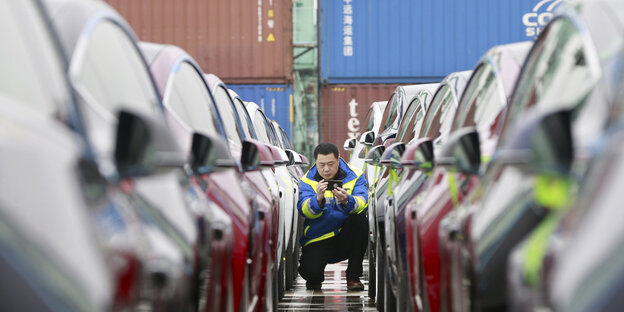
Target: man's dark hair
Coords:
[(326, 149)]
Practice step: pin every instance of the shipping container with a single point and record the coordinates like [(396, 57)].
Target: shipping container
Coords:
[(398, 41), (343, 109), (275, 100), (240, 41)]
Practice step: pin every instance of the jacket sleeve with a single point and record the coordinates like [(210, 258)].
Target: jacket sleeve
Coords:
[(358, 200), (308, 205)]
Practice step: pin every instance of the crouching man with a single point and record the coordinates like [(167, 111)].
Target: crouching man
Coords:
[(335, 227)]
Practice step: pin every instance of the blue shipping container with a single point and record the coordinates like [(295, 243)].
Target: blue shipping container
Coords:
[(413, 41), (274, 99)]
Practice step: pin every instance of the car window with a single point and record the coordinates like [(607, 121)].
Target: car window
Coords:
[(228, 115), (371, 119), (189, 99), (386, 113), (261, 127), (439, 117), (559, 61), (271, 132), (432, 120), (415, 125), (114, 74), (408, 118), (248, 127), (285, 139), (109, 75), (483, 100), (31, 68), (395, 106), (419, 119)]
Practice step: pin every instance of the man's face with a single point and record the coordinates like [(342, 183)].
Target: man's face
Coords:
[(327, 165)]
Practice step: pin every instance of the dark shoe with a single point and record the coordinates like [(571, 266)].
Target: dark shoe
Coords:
[(354, 284), (313, 286)]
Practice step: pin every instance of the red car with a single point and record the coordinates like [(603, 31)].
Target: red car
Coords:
[(481, 108), (181, 86), (267, 292), (256, 192), (191, 112), (402, 252)]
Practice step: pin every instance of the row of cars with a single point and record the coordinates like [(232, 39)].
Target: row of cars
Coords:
[(131, 180), (497, 189)]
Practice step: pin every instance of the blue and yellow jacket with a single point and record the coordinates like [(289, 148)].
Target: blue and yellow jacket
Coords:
[(325, 222)]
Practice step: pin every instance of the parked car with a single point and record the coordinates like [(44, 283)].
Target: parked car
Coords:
[(441, 103), (47, 239), (102, 55), (586, 272), (395, 109), (480, 113), (569, 78), (395, 285), (267, 293), (49, 184), (193, 118), (255, 187), (288, 186), (296, 172)]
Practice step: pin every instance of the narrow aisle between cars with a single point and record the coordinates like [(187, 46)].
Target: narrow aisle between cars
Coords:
[(332, 297)]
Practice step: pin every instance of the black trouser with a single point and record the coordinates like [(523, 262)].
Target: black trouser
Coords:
[(350, 243)]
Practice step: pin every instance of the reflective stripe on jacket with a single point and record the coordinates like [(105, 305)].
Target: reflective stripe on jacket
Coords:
[(325, 222)]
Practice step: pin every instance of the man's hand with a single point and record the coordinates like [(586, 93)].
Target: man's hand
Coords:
[(341, 195), (321, 187)]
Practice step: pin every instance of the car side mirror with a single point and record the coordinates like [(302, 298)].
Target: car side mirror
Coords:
[(143, 145), (462, 151), (279, 156), (419, 154), (542, 142), (209, 153), (392, 155), (293, 157), (304, 160), (374, 155), (255, 155), (368, 138), (349, 144)]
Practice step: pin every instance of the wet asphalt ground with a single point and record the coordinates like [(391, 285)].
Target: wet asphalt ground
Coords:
[(333, 295)]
